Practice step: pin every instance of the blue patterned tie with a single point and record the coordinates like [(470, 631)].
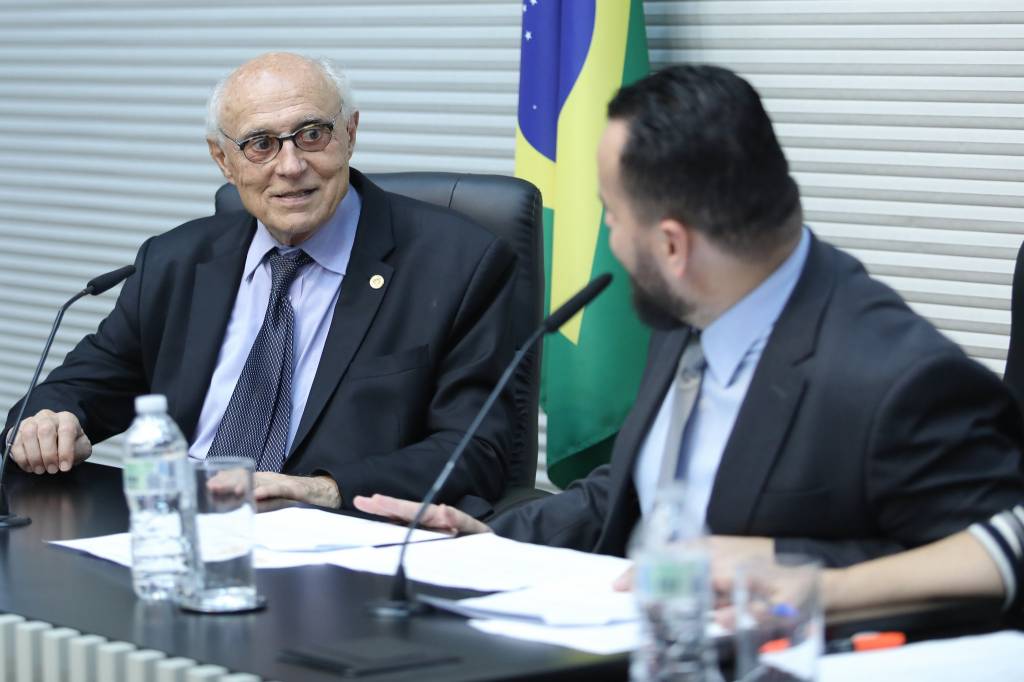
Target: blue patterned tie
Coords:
[(256, 421)]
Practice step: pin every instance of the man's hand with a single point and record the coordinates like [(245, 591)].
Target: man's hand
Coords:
[(228, 483), (437, 517), (319, 490), (624, 583), (50, 442), (729, 551)]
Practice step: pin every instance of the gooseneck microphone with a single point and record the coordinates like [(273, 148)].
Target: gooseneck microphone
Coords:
[(95, 287), (400, 605)]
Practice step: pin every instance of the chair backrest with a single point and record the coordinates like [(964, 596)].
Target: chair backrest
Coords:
[(511, 209)]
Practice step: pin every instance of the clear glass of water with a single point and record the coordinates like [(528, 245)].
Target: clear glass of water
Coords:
[(779, 622), (222, 578)]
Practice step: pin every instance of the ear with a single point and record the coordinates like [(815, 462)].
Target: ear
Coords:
[(351, 130), (220, 157), (676, 241)]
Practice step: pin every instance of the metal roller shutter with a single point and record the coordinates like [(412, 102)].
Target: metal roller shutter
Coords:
[(903, 121), (102, 106), (904, 124)]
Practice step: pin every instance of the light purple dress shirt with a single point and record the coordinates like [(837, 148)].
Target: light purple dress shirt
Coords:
[(313, 295), (732, 346)]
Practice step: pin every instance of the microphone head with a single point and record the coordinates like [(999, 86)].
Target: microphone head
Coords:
[(576, 303), (98, 285)]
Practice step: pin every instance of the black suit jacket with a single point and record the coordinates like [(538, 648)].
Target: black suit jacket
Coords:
[(404, 367), (863, 431)]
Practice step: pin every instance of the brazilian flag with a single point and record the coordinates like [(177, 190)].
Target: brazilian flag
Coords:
[(575, 54)]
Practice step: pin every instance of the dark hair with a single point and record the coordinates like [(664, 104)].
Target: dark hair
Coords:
[(701, 150)]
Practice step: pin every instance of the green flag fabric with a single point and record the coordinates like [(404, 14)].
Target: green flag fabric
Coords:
[(575, 55)]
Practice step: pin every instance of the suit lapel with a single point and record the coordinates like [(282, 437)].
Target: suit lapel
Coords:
[(772, 399), (358, 301), (214, 287), (658, 376)]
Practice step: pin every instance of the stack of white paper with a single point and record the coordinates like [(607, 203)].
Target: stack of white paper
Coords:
[(581, 614), (603, 640), (561, 603), (584, 614), (485, 562), (545, 594)]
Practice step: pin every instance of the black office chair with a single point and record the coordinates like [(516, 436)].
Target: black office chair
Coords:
[(1014, 374), (511, 209)]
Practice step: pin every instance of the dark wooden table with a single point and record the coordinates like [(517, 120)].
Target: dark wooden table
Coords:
[(309, 605)]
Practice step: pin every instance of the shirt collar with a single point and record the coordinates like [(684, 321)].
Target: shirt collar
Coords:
[(330, 247), (728, 339)]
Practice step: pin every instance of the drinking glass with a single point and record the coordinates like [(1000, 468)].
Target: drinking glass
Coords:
[(779, 622), (222, 579)]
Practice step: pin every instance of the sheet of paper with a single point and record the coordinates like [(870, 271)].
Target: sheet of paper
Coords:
[(116, 548), (595, 639), (562, 602), (996, 657), (296, 529), (578, 614), (484, 562), (284, 538)]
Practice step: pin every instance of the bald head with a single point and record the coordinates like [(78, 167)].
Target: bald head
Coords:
[(296, 119), (320, 73)]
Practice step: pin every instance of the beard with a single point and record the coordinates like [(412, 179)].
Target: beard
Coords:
[(655, 305)]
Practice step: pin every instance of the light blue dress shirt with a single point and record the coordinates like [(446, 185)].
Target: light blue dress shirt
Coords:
[(313, 295), (732, 346)]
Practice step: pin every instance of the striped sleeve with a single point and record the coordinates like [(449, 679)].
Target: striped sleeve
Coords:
[(1003, 538)]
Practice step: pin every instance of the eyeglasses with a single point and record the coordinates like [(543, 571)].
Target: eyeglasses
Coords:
[(263, 148)]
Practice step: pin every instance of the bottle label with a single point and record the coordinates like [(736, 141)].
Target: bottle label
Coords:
[(168, 472), (667, 577)]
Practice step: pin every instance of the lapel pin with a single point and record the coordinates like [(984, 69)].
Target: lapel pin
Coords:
[(376, 282)]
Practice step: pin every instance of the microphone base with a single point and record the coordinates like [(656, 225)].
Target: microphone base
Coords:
[(13, 521), (399, 609)]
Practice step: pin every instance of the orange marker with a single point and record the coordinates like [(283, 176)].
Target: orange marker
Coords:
[(867, 641), (774, 645)]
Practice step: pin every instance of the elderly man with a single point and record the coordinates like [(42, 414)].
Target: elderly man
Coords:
[(341, 336), (804, 405)]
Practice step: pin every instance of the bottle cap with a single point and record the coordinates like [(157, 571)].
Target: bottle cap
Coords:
[(150, 404)]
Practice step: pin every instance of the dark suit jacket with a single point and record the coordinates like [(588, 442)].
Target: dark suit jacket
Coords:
[(863, 431), (1014, 374), (403, 371)]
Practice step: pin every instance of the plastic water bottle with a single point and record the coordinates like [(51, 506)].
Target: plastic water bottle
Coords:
[(672, 586), (161, 500)]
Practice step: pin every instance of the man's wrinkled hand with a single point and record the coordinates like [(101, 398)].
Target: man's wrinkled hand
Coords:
[(319, 490), (229, 483), (437, 517), (50, 442)]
